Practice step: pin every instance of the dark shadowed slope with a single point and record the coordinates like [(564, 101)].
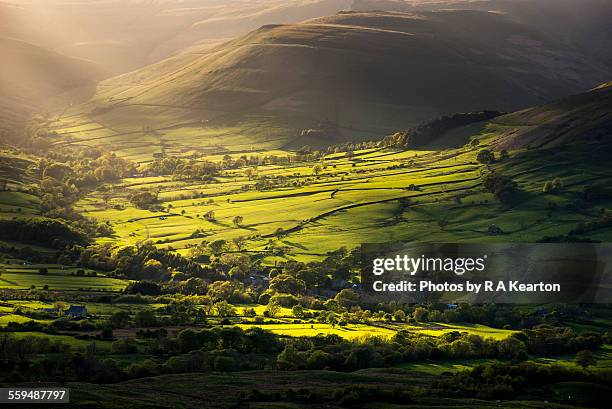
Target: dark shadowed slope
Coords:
[(579, 119), (352, 75), (584, 24)]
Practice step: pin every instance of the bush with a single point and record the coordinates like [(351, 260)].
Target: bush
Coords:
[(124, 347), (225, 364), (485, 156), (501, 186)]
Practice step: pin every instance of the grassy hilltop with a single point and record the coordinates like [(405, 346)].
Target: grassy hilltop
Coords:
[(351, 76)]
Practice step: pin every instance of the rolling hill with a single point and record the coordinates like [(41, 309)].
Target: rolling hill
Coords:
[(418, 193), (577, 23), (33, 79), (579, 119), (350, 76), (122, 36)]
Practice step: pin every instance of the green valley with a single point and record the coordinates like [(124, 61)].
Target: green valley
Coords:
[(186, 186)]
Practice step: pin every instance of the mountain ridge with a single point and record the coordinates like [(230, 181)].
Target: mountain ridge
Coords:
[(351, 75)]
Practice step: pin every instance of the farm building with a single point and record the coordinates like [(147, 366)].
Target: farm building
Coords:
[(76, 311)]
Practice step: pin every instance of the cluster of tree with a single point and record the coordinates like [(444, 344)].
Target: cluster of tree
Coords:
[(550, 340), (28, 253), (230, 348), (428, 131), (42, 231), (604, 221), (503, 187), (230, 163), (65, 174), (503, 380), (144, 199), (183, 168), (332, 352), (486, 156), (552, 186), (145, 262)]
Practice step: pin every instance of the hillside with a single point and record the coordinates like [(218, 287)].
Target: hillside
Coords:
[(299, 207), (577, 23), (345, 77), (33, 79), (583, 118), (122, 36)]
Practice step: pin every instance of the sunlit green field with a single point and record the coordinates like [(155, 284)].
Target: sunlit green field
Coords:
[(353, 200), (19, 276), (67, 339), (350, 332), (603, 358), (360, 331)]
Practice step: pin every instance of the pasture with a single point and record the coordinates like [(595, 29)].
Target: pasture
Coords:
[(382, 330), (377, 194), (22, 276)]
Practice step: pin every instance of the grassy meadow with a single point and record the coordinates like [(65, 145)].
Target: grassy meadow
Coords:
[(353, 200)]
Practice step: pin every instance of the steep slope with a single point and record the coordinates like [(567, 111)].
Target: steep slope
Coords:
[(577, 23), (352, 75), (32, 78), (579, 119), (123, 36)]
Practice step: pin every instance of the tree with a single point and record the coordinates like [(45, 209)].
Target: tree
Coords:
[(399, 316), (347, 298), (43, 271), (548, 187), (298, 311), (318, 359), (280, 233), (239, 242), (501, 186), (485, 156), (511, 348), (420, 314), (250, 173), (106, 333), (120, 319), (145, 318), (236, 273), (552, 186), (272, 309), (153, 270), (217, 246), (585, 359), (290, 359), (144, 200), (238, 220), (224, 309), (249, 312), (284, 283), (317, 169)]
